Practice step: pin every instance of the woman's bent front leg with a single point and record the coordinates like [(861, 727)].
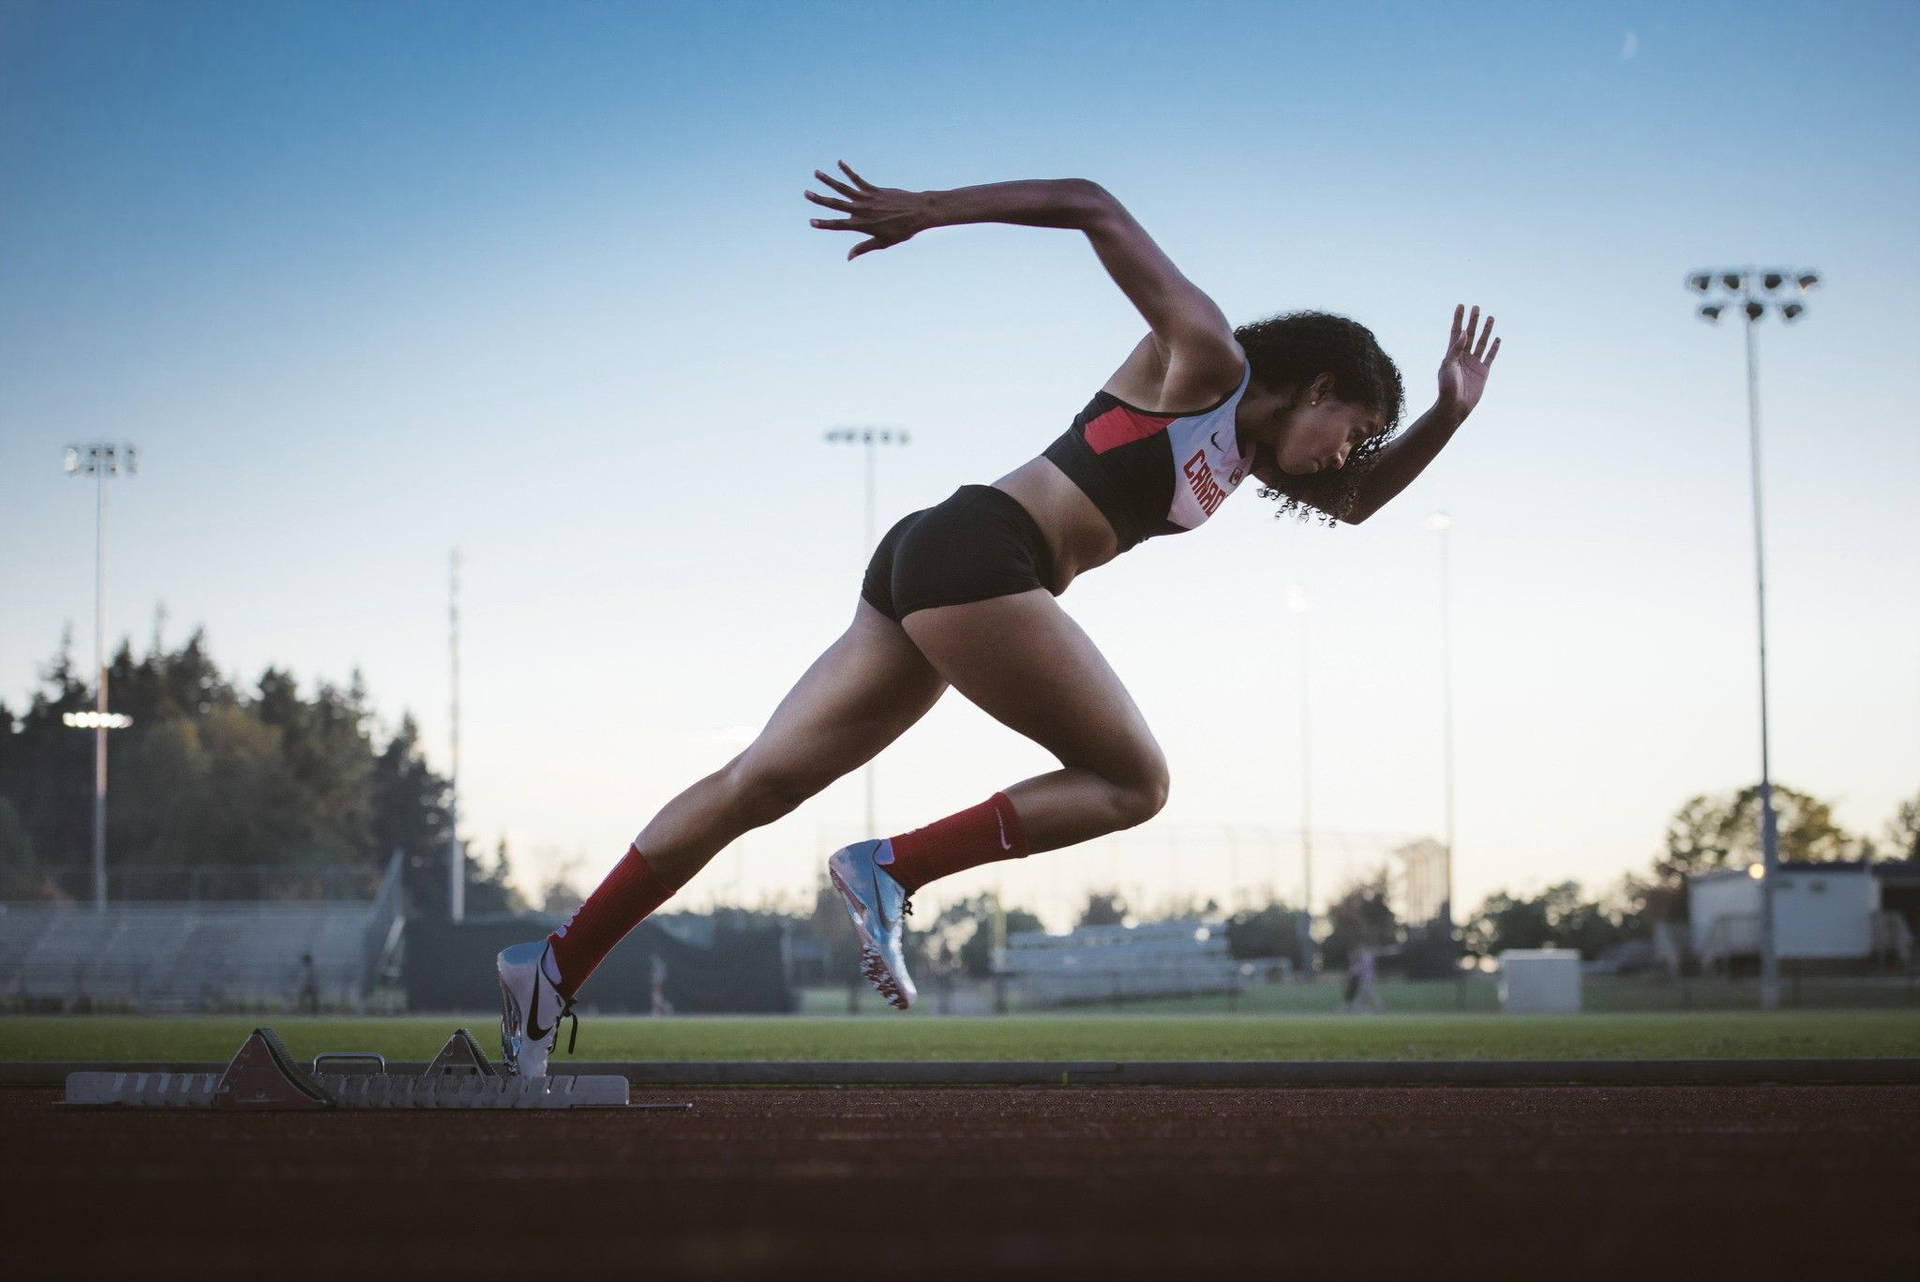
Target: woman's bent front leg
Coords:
[(1024, 662)]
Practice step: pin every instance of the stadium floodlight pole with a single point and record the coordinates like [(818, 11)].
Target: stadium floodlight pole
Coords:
[(1441, 524), (100, 460), (1297, 602), (456, 858), (1751, 291), (868, 437)]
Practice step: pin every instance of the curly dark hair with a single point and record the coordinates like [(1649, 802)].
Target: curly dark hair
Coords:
[(1294, 349)]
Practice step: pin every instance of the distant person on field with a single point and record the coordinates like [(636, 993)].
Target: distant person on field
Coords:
[(309, 986), (1360, 992), (962, 594)]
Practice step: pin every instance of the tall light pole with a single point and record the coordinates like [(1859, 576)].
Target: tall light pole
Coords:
[(868, 437), (1441, 524), (1297, 602), (456, 858), (1752, 291), (100, 460)]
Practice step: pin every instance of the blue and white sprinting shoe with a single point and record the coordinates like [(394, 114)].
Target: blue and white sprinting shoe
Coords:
[(879, 908), (531, 1009)]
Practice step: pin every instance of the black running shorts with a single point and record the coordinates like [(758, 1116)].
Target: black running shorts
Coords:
[(980, 543)]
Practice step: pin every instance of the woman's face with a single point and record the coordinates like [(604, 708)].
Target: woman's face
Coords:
[(1317, 434), (1306, 432)]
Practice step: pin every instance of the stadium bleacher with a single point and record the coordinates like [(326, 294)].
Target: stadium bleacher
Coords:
[(1116, 963), (200, 955)]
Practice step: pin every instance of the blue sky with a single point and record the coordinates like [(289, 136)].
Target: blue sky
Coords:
[(368, 282)]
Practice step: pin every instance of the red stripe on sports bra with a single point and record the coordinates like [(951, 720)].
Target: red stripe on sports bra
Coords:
[(1120, 425)]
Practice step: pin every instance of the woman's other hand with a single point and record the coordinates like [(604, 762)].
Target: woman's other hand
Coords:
[(1463, 373)]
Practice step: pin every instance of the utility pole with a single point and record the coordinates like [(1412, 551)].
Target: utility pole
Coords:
[(1754, 290), (100, 460)]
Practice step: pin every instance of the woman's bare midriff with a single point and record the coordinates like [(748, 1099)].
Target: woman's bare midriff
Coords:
[(1077, 535)]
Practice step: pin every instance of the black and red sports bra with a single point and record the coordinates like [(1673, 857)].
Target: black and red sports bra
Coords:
[(1152, 474)]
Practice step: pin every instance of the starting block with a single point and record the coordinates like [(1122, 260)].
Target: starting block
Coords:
[(264, 1076)]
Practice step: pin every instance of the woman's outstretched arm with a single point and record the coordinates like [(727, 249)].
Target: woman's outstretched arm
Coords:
[(1183, 319), (1463, 377)]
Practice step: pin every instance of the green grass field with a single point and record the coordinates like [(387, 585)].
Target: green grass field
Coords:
[(1472, 994), (1729, 1034)]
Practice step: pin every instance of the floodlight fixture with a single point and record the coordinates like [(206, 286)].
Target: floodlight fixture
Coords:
[(1755, 309), (1791, 311), (1732, 280), (1699, 282), (1807, 280), (1773, 280), (1711, 311), (96, 720)]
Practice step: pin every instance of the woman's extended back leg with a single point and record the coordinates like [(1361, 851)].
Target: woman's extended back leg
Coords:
[(1031, 667), (860, 695)]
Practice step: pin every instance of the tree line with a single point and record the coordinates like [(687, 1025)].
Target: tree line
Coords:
[(1708, 832), (237, 790), (304, 786)]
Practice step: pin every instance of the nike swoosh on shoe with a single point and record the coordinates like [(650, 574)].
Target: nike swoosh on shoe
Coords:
[(534, 1030)]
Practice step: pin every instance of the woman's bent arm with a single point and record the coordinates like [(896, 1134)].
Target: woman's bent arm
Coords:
[(1401, 461), (1183, 319)]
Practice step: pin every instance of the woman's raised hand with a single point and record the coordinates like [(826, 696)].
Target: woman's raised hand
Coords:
[(1463, 373), (885, 215)]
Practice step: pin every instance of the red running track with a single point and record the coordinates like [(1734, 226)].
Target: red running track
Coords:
[(866, 1183)]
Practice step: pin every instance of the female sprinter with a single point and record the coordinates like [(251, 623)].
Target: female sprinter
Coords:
[(962, 594)]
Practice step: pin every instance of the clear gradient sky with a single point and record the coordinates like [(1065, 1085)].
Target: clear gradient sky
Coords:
[(367, 282)]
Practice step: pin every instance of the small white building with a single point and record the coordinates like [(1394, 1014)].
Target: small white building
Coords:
[(1540, 981), (1821, 911)]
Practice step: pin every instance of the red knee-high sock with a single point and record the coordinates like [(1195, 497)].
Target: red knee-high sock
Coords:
[(629, 894), (986, 832)]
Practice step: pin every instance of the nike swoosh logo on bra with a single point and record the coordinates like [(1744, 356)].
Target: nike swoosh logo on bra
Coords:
[(1004, 843)]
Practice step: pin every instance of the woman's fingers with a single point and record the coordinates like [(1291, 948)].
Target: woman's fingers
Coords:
[(865, 245), (834, 183), (858, 181), (834, 224), (1480, 348), (1459, 313), (830, 202), (1493, 351)]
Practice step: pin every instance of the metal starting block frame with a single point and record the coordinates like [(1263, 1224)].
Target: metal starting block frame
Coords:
[(264, 1076)]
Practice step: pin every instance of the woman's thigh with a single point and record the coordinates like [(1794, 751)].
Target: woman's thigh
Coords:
[(1028, 665), (861, 694)]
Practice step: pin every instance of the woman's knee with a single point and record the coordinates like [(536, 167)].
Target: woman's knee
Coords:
[(761, 791), (1144, 794)]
